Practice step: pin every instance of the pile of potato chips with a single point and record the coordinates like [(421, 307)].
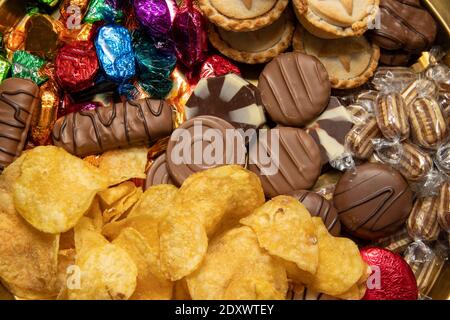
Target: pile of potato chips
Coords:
[(82, 229)]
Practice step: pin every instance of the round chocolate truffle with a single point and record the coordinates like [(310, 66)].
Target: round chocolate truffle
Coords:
[(372, 202), (158, 174), (285, 159), (295, 89), (202, 143), (318, 206)]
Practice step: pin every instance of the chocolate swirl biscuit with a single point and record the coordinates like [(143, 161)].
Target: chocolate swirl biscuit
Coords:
[(121, 125), (359, 139), (423, 223), (404, 25), (392, 117), (418, 88), (428, 124), (18, 100)]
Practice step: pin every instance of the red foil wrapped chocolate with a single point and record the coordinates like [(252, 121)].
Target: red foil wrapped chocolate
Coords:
[(189, 34), (216, 66), (76, 66), (391, 279)]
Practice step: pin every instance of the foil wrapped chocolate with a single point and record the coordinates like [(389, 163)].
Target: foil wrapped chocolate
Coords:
[(76, 66), (28, 66), (189, 34), (154, 16), (104, 10), (115, 52)]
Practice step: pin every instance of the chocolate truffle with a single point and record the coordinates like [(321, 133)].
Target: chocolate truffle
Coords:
[(372, 202), (318, 206), (121, 125), (18, 100), (406, 25), (227, 97), (158, 173), (295, 89), (202, 143), (285, 159)]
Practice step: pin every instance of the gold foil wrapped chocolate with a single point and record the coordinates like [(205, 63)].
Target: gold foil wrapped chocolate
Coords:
[(46, 113), (181, 91)]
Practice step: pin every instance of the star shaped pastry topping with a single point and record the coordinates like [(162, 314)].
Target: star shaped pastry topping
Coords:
[(343, 53), (248, 3), (347, 4)]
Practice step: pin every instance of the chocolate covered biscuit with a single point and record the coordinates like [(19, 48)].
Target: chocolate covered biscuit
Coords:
[(121, 125), (18, 100)]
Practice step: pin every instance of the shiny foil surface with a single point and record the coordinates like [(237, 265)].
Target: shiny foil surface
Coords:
[(216, 66), (397, 281), (189, 34), (76, 66), (154, 16), (115, 52)]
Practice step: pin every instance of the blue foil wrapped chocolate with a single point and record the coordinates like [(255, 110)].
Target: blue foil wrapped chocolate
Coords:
[(115, 53)]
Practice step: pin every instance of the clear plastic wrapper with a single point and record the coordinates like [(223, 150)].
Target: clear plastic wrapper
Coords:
[(392, 116), (397, 78), (367, 99), (444, 207), (429, 185), (423, 223), (426, 263), (428, 123), (418, 89), (359, 140), (442, 159), (398, 242), (412, 162)]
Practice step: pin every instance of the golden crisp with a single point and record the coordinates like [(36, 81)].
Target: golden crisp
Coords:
[(54, 189), (235, 267), (285, 229), (28, 257), (155, 201), (340, 263), (148, 286), (123, 164), (183, 244)]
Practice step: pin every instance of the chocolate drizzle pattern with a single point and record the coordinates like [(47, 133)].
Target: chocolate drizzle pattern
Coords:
[(298, 167), (318, 206), (158, 173), (373, 202), (18, 99), (404, 25), (295, 89), (120, 125)]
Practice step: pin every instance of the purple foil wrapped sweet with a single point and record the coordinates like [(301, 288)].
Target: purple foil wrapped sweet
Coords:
[(189, 34), (155, 16)]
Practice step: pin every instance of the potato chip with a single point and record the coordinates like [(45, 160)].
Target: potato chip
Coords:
[(123, 164), (181, 290), (54, 189), (183, 244), (28, 257), (110, 196), (220, 197), (106, 273), (5, 294), (95, 214), (148, 286), (285, 229), (67, 240), (356, 292), (235, 267), (340, 264), (87, 237), (66, 260), (155, 201), (11, 173), (122, 206)]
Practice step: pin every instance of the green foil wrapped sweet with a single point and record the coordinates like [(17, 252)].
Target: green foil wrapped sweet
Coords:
[(50, 3), (28, 66), (103, 10), (5, 65)]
